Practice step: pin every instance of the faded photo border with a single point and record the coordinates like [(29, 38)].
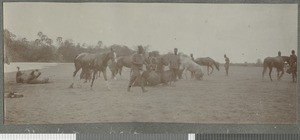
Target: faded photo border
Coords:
[(165, 128)]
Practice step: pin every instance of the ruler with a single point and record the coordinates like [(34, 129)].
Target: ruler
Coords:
[(149, 137)]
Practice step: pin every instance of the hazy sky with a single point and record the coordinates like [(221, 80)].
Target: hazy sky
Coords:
[(245, 32)]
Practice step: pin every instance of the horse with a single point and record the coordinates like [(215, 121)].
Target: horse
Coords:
[(126, 61), (113, 68), (187, 64), (95, 62), (277, 62), (209, 62), (32, 78), (123, 61), (83, 61)]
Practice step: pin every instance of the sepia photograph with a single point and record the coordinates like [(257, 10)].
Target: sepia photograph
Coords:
[(150, 62)]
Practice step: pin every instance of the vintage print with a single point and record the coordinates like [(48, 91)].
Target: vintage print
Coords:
[(150, 62)]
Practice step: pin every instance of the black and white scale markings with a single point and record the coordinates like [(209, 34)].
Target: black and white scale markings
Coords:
[(149, 137)]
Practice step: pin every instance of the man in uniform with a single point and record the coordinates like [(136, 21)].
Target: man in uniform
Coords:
[(174, 66), (227, 61), (293, 59), (293, 64), (192, 73), (137, 68)]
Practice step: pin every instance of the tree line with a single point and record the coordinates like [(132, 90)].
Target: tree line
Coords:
[(43, 48)]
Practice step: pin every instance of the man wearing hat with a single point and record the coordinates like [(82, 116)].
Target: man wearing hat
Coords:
[(137, 68)]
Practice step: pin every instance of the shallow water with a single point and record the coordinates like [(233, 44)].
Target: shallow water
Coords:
[(12, 67)]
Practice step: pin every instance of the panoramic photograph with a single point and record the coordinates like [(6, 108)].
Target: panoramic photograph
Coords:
[(150, 62)]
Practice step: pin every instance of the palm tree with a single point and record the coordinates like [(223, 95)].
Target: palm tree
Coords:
[(24, 40), (49, 41), (100, 43), (44, 37), (40, 34)]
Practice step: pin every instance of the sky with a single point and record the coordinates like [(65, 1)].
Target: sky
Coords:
[(245, 32)]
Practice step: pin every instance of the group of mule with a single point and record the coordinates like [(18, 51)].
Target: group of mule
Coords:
[(154, 74)]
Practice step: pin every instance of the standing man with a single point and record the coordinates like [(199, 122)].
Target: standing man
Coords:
[(174, 66), (192, 57), (137, 68), (293, 65), (227, 61), (293, 58)]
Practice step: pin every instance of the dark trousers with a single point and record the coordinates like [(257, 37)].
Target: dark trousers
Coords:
[(174, 74)]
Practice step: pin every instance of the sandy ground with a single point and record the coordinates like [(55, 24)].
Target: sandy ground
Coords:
[(242, 97)]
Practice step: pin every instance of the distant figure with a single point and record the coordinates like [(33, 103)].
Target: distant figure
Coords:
[(174, 66), (18, 76), (227, 61), (137, 69), (293, 65), (192, 73), (279, 53)]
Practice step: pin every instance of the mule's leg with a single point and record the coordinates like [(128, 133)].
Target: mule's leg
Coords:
[(84, 74), (278, 73), (263, 73), (105, 78), (212, 69), (113, 75), (94, 75), (207, 69), (185, 73), (120, 72), (282, 72), (74, 74), (270, 72)]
